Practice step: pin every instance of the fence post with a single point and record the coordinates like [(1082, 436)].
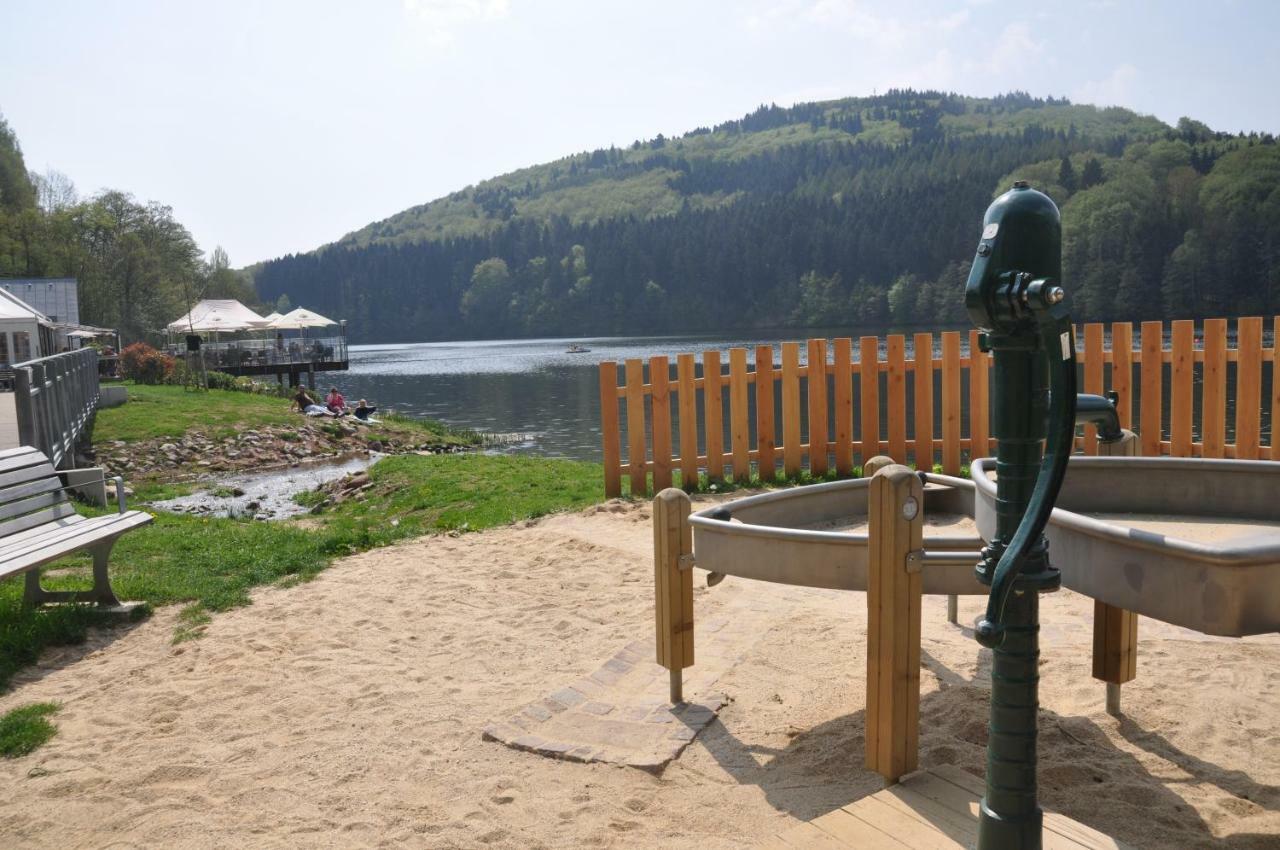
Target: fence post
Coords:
[(765, 437), (817, 387), (1150, 413), (894, 586), (609, 431), (869, 396), (923, 351)]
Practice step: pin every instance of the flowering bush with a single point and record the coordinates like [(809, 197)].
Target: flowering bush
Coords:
[(142, 363)]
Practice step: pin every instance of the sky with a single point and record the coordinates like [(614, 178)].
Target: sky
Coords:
[(276, 126)]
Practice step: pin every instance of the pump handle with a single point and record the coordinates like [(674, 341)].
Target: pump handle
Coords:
[(1058, 342)]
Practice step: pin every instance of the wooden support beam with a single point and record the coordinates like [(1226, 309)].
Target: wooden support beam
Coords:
[(673, 583), (896, 533), (1115, 630)]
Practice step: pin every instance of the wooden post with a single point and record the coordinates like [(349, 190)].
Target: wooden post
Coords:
[(739, 418), (636, 461), (713, 411), (979, 403), (791, 408), (896, 386), (923, 344), (766, 465), (869, 396), (1115, 630), (1093, 356), (673, 584), (660, 411), (1181, 387), (1122, 371), (1248, 387), (842, 369), (895, 532), (687, 399), (1213, 398), (951, 402), (1150, 414), (817, 397), (609, 429)]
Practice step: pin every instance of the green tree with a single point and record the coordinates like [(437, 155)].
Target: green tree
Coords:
[(485, 302)]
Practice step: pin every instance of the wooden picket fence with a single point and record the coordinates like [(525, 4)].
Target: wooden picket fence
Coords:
[(669, 417)]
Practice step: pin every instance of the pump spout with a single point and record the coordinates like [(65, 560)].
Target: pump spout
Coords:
[(1100, 412)]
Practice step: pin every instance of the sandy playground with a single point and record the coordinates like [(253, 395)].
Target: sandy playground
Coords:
[(348, 712)]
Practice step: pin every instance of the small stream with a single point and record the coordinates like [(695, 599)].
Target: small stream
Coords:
[(263, 495)]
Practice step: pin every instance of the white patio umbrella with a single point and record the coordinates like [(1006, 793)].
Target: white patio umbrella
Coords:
[(299, 319)]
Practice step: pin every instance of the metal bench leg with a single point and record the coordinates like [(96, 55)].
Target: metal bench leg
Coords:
[(33, 594), (102, 592)]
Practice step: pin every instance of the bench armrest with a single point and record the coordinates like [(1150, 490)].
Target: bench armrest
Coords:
[(120, 501)]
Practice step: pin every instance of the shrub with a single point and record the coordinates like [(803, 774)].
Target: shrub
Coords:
[(142, 363)]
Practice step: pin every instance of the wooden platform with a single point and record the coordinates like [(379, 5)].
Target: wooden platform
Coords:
[(928, 810)]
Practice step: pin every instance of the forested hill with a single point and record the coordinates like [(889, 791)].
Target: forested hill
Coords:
[(855, 211)]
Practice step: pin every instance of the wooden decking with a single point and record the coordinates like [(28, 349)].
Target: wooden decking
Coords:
[(932, 809)]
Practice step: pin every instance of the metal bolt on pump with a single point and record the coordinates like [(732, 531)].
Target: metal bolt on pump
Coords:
[(1013, 295)]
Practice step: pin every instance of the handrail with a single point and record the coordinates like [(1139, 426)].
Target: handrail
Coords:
[(55, 399)]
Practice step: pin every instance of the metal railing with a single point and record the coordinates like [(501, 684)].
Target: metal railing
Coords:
[(55, 399), (265, 353)]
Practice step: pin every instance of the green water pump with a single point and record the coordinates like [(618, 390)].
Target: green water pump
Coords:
[(1014, 297)]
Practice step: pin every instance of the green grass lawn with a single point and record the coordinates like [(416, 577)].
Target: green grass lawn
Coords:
[(212, 564), (164, 411)]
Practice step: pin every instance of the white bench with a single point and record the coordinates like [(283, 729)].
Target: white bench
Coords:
[(38, 525)]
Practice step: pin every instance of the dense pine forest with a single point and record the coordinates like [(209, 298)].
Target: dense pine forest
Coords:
[(857, 211)]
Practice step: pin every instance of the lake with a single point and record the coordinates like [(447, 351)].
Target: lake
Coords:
[(529, 386), (534, 388)]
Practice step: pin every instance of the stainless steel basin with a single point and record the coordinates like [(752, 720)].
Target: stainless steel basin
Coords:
[(1188, 541), (778, 536)]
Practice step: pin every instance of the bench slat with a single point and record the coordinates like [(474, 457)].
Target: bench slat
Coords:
[(57, 534), (41, 531), (39, 468), (16, 493), (82, 535), (58, 511), (15, 455), (29, 505)]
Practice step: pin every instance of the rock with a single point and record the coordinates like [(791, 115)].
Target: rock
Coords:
[(236, 491), (168, 448), (253, 506)]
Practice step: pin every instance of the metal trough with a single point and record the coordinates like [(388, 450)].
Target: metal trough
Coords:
[(777, 537), (1192, 542)]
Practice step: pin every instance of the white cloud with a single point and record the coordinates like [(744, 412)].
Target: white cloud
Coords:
[(1116, 89), (954, 21), (1014, 46), (441, 19)]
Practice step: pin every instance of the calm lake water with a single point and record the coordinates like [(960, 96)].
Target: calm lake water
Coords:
[(536, 389)]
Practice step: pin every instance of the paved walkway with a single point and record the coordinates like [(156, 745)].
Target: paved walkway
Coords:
[(620, 713)]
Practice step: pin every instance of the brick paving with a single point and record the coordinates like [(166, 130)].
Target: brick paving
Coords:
[(620, 714)]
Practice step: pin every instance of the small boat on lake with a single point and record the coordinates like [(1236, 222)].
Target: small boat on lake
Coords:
[(577, 349)]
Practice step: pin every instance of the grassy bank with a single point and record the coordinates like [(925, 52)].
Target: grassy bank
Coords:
[(212, 564), (158, 412)]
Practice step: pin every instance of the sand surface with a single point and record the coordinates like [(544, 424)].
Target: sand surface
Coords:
[(347, 712)]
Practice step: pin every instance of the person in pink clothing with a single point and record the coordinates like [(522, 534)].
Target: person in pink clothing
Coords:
[(335, 402)]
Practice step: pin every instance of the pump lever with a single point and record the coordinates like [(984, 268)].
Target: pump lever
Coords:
[(1057, 340)]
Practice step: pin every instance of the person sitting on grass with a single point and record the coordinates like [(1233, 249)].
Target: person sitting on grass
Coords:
[(363, 411), (335, 402), (306, 404)]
